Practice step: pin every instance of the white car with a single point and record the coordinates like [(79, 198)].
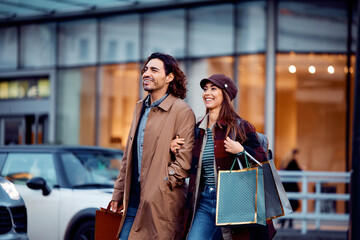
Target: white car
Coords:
[(13, 221), (62, 186)]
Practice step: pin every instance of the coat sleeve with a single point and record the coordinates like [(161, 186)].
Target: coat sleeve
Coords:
[(179, 167), (252, 144)]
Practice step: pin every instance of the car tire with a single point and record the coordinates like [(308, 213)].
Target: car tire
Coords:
[(85, 231)]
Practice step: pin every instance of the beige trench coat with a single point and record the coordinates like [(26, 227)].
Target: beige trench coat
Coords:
[(163, 190)]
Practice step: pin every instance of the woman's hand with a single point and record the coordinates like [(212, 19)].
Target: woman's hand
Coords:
[(176, 144), (233, 147)]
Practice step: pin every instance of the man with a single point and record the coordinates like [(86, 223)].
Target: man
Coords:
[(150, 185)]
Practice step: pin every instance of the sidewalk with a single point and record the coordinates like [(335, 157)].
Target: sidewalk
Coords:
[(286, 234), (328, 231)]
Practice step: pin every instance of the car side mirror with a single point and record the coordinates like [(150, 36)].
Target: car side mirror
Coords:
[(39, 183)]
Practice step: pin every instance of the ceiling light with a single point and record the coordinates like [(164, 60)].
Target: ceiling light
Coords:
[(312, 69), (331, 69), (292, 69)]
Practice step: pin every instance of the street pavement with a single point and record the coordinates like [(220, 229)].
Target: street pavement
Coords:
[(288, 234), (328, 231)]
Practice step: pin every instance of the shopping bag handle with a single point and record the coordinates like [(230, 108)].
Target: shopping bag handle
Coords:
[(246, 154), (252, 158)]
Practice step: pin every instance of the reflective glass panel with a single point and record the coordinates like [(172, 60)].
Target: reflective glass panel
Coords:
[(211, 31), (251, 23), (120, 39), (38, 45), (199, 69), (311, 110), (76, 106), (8, 48), (167, 38), (25, 87), (119, 94), (318, 26), (251, 93), (77, 42), (354, 30)]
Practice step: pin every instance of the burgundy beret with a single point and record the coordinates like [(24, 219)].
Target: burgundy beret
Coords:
[(223, 82)]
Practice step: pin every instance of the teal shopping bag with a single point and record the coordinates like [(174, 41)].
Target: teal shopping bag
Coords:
[(240, 197)]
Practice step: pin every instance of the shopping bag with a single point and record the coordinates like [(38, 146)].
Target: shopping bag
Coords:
[(276, 201), (240, 196), (107, 224), (281, 191), (273, 205)]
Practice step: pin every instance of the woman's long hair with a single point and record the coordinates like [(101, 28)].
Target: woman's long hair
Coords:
[(177, 87), (229, 117)]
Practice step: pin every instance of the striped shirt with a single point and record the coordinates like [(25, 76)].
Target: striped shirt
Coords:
[(208, 159)]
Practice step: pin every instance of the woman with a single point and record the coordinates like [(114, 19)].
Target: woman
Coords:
[(219, 137)]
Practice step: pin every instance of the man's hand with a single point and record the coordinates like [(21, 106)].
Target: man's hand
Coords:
[(114, 206)]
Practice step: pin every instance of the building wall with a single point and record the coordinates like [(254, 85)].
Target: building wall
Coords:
[(97, 64)]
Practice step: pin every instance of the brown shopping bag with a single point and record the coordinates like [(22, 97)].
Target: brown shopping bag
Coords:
[(107, 224)]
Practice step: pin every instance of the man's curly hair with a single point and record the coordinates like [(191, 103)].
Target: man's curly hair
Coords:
[(177, 87)]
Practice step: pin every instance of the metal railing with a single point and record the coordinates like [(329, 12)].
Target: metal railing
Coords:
[(319, 178)]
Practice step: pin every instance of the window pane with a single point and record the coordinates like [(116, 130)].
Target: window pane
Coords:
[(251, 93), (251, 26), (318, 26), (76, 106), (120, 39), (202, 68), (168, 38), (38, 45), (354, 31), (8, 48), (20, 167), (77, 42), (119, 94), (211, 31), (311, 110)]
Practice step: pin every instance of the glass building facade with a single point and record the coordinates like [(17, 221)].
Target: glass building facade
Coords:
[(76, 81)]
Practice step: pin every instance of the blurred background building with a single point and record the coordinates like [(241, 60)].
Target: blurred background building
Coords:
[(70, 69)]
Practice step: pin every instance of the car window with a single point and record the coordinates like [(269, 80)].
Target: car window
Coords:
[(19, 167), (91, 168)]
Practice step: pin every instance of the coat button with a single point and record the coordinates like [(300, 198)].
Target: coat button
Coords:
[(171, 172), (166, 178)]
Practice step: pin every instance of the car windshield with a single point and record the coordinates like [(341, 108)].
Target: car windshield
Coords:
[(91, 169)]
